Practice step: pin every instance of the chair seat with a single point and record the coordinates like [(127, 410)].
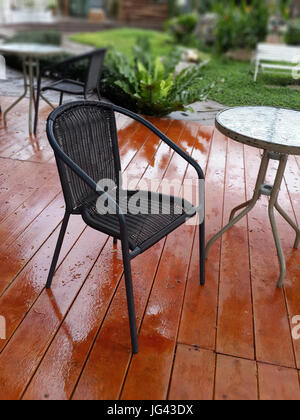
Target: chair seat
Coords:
[(144, 230), (66, 86)]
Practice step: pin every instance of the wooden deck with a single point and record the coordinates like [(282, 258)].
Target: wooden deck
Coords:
[(229, 340)]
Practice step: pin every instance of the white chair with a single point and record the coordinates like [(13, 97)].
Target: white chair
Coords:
[(276, 58)]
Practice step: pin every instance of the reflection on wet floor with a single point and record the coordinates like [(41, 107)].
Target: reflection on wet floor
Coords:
[(73, 341)]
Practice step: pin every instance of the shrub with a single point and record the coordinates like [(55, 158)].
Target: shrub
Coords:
[(292, 36), (201, 6), (173, 8), (205, 6), (182, 28), (241, 26), (147, 84), (285, 8)]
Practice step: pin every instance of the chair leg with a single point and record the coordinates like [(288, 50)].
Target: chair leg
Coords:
[(202, 253), (37, 106), (61, 99), (130, 302), (99, 94), (58, 249)]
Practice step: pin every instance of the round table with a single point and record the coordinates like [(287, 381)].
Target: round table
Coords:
[(277, 132), (30, 55)]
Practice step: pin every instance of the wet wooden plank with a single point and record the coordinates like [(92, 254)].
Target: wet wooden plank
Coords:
[(292, 284), (16, 171), (161, 160), (149, 372), (16, 189), (131, 139), (17, 255), (108, 386), (16, 142), (63, 389), (79, 333), (17, 300), (8, 168), (193, 374), (75, 338), (141, 161), (272, 330), (235, 325), (236, 379), (15, 136), (277, 383), (26, 213), (105, 370), (161, 321), (23, 354), (198, 324), (12, 267)]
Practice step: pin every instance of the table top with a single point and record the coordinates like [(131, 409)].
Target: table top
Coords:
[(273, 129), (30, 50)]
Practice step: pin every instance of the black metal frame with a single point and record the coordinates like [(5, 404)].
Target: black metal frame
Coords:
[(63, 64), (127, 255)]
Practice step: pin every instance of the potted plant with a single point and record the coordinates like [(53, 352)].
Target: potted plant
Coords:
[(53, 7)]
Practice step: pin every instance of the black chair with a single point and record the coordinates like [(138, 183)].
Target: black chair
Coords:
[(84, 138), (94, 61)]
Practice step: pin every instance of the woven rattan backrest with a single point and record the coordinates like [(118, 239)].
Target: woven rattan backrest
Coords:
[(94, 71), (87, 133)]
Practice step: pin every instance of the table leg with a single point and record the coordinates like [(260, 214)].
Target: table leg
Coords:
[(35, 78), (240, 207), (29, 64), (249, 204), (272, 191), (31, 91), (272, 206), (25, 75), (39, 93), (290, 222)]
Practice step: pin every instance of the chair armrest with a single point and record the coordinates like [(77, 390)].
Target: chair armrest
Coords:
[(169, 142), (85, 177), (53, 67), (162, 136), (69, 61)]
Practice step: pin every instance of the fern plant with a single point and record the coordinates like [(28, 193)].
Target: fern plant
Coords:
[(148, 84)]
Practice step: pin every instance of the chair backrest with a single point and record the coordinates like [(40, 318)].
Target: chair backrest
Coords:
[(96, 59), (87, 133)]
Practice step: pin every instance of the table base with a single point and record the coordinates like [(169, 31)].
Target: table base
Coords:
[(272, 191), (31, 74)]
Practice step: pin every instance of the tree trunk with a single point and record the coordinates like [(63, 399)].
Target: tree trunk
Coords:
[(295, 9)]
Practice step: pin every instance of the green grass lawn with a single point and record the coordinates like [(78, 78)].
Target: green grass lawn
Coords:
[(234, 81), (235, 86), (124, 39)]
